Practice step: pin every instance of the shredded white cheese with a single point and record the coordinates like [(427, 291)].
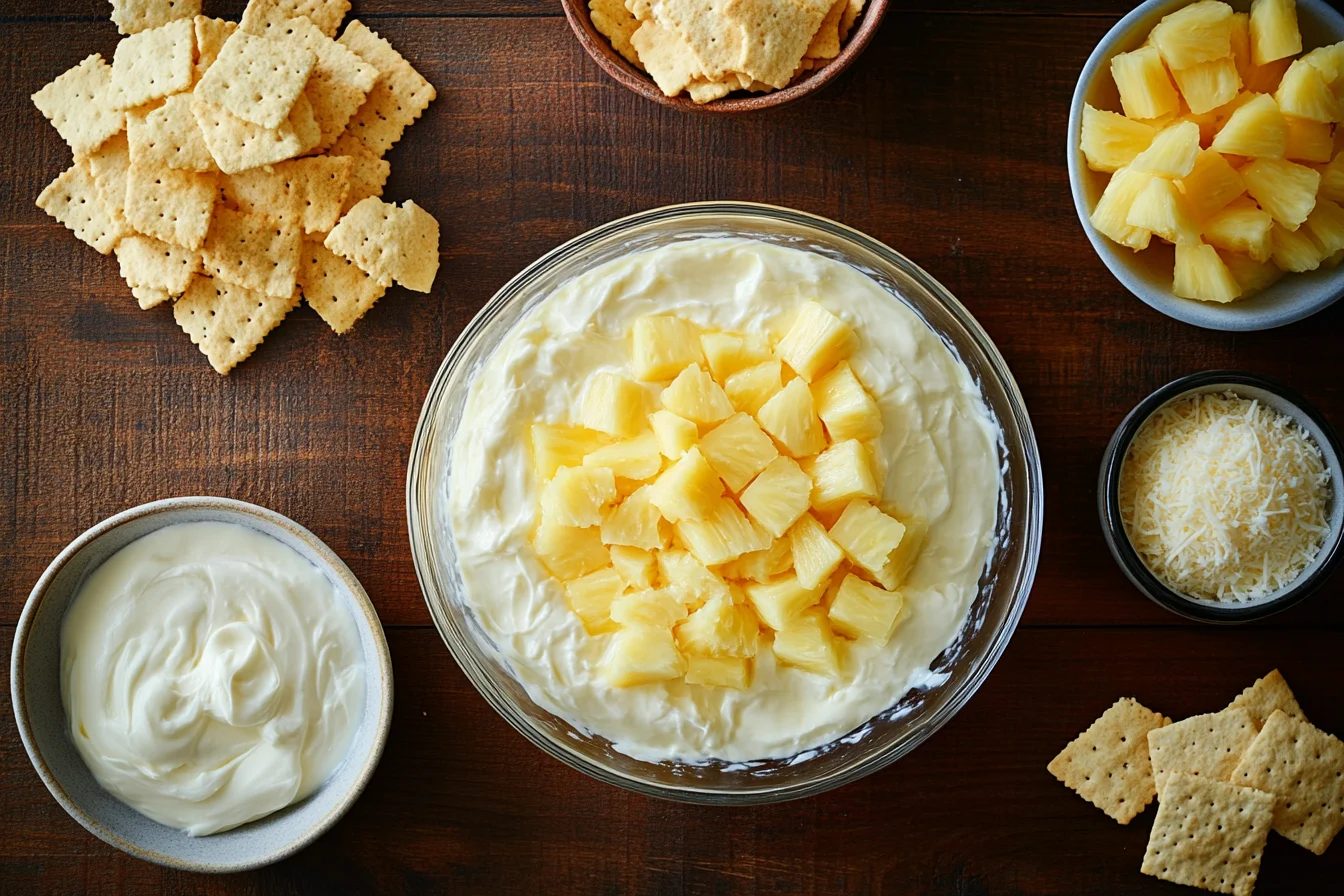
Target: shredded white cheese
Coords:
[(1224, 498)]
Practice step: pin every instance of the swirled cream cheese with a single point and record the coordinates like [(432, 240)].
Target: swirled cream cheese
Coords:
[(939, 449), (210, 676)]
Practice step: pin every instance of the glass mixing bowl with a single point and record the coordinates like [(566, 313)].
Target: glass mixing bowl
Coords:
[(1004, 585)]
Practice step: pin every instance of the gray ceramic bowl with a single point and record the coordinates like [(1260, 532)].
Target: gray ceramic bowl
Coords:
[(1147, 274), (35, 687)]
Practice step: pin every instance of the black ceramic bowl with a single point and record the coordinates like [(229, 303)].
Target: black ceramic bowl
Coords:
[(1267, 392)]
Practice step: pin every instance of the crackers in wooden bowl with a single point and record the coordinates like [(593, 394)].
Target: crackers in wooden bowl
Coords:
[(236, 168)]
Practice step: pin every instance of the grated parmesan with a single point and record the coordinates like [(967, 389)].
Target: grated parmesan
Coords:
[(1224, 498)]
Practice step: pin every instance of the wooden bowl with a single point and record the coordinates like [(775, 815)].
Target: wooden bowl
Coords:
[(616, 65)]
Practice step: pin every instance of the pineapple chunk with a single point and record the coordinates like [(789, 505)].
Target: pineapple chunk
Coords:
[(687, 489), (554, 447), (779, 496), (846, 408), (1201, 274), (815, 554), (1274, 33), (1285, 190), (791, 418), (1172, 153), (817, 341), (637, 523), (862, 610), (1304, 92), (637, 458), (1241, 227), (720, 628), (1200, 32), (657, 608), (1208, 85), (1160, 208), (777, 602), (663, 347), (868, 536), (1329, 61), (1297, 252), (719, 672), (722, 535), (635, 566), (643, 655), (728, 353), (1146, 90), (1308, 141), (902, 560), (695, 396), (1110, 141), (590, 598), (737, 449), (1210, 186), (1253, 276), (1257, 129), (568, 552), (809, 644), (762, 566), (675, 435), (696, 582), (1113, 208), (1326, 223), (576, 496), (750, 388), (614, 405), (1332, 178), (841, 474)]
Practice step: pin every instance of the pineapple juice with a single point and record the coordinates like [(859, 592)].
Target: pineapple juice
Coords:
[(937, 453)]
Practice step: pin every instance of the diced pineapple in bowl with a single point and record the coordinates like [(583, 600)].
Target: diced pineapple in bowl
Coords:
[(1205, 158)]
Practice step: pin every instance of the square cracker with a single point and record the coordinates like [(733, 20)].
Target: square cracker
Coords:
[(152, 64), (1108, 764), (226, 321), (397, 100), (389, 243), (256, 79), (149, 296), (336, 288), (781, 35), (211, 35), (368, 174), (1265, 696), (1304, 768), (325, 14), (72, 198), (79, 104), (1207, 746), (150, 263), (109, 165), (134, 16), (172, 205), (169, 137), (1209, 834), (238, 145), (316, 186), (257, 251), (667, 57)]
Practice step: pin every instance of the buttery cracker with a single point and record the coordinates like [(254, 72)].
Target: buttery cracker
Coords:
[(237, 145), (780, 36), (325, 14), (210, 37), (256, 79), (395, 101), (667, 57), (1208, 746), (79, 104), (148, 297), (260, 252), (134, 16), (826, 42), (169, 204), (389, 243), (1108, 764), (335, 287), (153, 264), (1209, 834), (169, 136), (1303, 767), (616, 24), (72, 198), (226, 321), (1265, 696), (368, 174), (316, 186), (109, 164), (152, 64)]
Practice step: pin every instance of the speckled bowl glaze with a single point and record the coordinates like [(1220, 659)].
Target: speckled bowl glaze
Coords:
[(1147, 274), (35, 688)]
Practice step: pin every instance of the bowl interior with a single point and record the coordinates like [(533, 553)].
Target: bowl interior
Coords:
[(963, 666), (1148, 274), (38, 703)]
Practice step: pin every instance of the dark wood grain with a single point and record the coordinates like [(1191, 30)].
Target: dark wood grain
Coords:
[(946, 140)]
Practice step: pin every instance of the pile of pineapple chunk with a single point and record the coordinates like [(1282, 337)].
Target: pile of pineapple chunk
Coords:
[(722, 499), (1228, 147)]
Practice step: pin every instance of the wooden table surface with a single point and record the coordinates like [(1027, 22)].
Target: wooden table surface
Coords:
[(946, 140)]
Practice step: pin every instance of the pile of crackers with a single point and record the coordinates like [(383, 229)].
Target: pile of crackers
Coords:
[(1223, 781), (709, 48), (235, 168)]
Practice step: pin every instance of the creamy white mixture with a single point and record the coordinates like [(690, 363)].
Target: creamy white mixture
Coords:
[(210, 675), (939, 446)]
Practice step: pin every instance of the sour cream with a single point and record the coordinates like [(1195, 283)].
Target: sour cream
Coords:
[(938, 448), (210, 676)]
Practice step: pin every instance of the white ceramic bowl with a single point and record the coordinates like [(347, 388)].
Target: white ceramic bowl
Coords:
[(1148, 274), (35, 687)]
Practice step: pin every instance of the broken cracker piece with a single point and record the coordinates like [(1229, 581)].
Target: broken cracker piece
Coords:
[(152, 64), (148, 297), (1265, 696), (1208, 745), (325, 14), (134, 16), (1303, 767), (238, 145), (226, 321), (253, 250), (78, 103), (1108, 764), (1209, 834), (72, 198), (335, 287), (395, 101), (169, 137), (153, 264), (389, 243), (368, 174), (257, 79)]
